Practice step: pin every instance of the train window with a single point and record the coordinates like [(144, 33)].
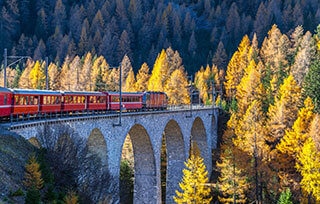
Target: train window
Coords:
[(115, 99), (36, 100), (44, 100), (31, 100), (20, 101)]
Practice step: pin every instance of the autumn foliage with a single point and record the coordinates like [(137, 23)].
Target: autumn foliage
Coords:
[(271, 142)]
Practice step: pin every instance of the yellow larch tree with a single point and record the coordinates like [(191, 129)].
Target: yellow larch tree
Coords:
[(309, 167), (74, 72), (54, 77), (315, 130), (24, 82), (65, 75), (130, 82), (12, 76), (177, 88), (251, 142), (71, 198), (193, 186), (142, 78), (105, 69), (284, 111), (37, 76), (274, 53), (249, 88), (293, 140), (156, 81), (199, 82), (236, 66), (99, 69), (32, 177), (291, 144), (232, 182), (219, 76), (203, 78), (281, 117), (85, 83), (112, 80)]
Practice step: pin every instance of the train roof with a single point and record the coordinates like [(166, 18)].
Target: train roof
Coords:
[(82, 92), (122, 93), (161, 92), (36, 92), (2, 89)]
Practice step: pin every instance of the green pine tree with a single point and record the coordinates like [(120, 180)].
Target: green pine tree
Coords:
[(285, 197), (312, 84)]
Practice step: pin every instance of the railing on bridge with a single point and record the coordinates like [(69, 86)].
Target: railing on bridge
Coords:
[(57, 118)]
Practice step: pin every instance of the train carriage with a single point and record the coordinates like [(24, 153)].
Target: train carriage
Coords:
[(5, 102), (96, 101), (130, 101), (77, 101), (73, 101), (31, 102), (155, 100)]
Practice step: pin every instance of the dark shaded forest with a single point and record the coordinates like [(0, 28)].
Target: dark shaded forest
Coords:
[(203, 31)]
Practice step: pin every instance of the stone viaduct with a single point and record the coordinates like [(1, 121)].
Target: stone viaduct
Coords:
[(146, 131)]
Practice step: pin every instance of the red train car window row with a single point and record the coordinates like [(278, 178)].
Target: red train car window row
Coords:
[(126, 99), (51, 100), (25, 100), (73, 99), (97, 99)]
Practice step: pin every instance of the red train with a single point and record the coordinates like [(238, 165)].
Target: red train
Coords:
[(19, 102)]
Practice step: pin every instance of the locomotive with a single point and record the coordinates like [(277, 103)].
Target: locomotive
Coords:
[(23, 102)]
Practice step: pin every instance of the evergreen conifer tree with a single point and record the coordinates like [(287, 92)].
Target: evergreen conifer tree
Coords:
[(285, 197)]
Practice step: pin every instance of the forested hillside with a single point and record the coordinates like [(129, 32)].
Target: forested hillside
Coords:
[(262, 56), (270, 149), (203, 31)]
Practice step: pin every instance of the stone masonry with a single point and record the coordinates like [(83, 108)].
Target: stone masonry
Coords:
[(146, 131)]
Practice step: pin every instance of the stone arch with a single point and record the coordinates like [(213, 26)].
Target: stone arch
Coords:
[(145, 179), (175, 151), (96, 146), (198, 135)]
